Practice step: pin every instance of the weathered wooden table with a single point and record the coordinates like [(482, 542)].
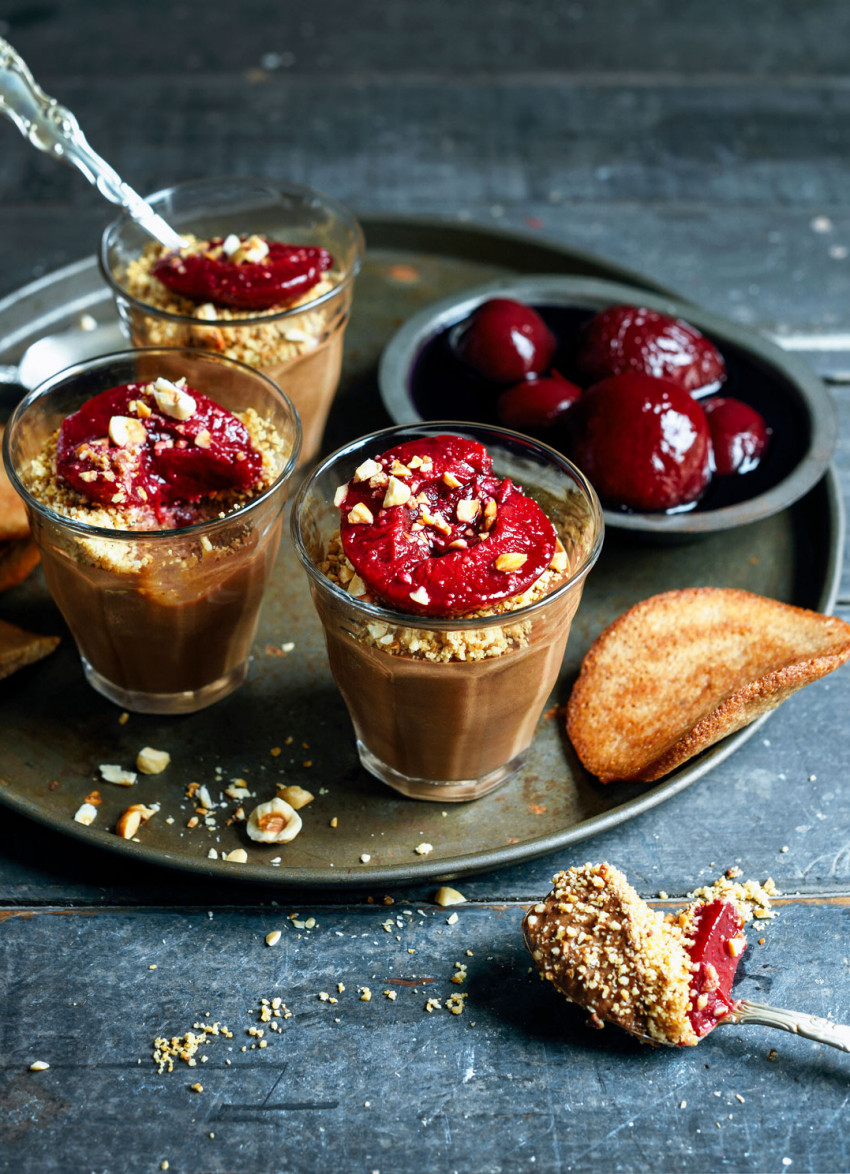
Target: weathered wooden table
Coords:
[(704, 145)]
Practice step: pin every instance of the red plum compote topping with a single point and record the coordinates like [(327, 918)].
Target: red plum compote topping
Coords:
[(155, 447), (715, 945), (243, 273), (430, 529)]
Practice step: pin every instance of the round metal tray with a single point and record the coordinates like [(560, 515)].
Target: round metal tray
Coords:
[(288, 723)]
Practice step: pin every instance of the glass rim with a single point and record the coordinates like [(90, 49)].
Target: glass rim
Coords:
[(85, 529), (372, 611), (247, 320)]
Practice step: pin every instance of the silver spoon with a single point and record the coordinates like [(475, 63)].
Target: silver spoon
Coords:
[(823, 1031), (54, 352), (53, 129)]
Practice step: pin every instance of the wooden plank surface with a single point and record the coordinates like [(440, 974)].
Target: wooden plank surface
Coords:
[(516, 1082), (705, 145)]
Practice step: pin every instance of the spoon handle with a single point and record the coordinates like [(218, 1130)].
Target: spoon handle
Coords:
[(824, 1031), (53, 129)]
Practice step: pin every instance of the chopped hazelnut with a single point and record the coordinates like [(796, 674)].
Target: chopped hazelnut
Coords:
[(446, 895), (152, 762), (116, 774), (86, 814), (274, 822), (510, 561), (368, 469), (467, 509), (172, 400), (130, 820), (360, 514), (127, 431), (296, 797), (397, 493)]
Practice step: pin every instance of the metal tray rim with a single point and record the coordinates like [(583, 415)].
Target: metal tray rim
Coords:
[(88, 293)]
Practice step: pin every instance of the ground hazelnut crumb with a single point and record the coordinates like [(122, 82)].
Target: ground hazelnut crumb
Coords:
[(39, 1066), (197, 1087), (273, 938), (365, 858), (366, 995), (423, 849)]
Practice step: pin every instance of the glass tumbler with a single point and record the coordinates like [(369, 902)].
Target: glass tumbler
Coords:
[(163, 619), (300, 348), (432, 722)]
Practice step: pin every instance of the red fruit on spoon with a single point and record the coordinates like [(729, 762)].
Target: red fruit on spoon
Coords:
[(715, 946), (504, 341), (537, 404), (634, 338), (739, 435), (643, 442)]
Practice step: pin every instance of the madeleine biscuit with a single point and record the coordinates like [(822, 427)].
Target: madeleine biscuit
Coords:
[(18, 557), (14, 523), (19, 648), (679, 671)]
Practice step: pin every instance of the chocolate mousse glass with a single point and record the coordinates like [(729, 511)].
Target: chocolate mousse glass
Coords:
[(155, 481), (446, 562), (236, 291)]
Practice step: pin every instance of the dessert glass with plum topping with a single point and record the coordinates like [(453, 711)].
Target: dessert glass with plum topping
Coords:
[(446, 562), (265, 277), (154, 482)]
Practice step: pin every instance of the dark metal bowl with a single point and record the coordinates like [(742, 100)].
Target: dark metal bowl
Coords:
[(787, 392)]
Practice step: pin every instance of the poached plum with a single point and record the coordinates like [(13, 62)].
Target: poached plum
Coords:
[(504, 341), (634, 338), (643, 442), (537, 404), (739, 435)]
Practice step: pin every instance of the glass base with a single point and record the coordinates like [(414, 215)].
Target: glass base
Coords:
[(186, 702), (437, 790)]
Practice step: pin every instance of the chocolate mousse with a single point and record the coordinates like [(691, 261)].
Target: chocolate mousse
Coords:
[(240, 296), (158, 572), (444, 687)]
